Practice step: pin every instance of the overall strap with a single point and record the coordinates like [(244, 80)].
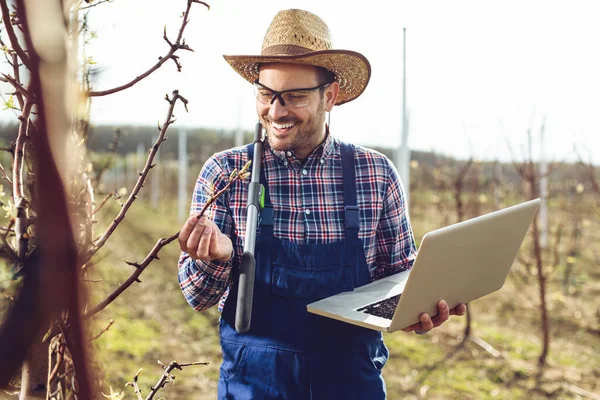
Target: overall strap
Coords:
[(350, 203), (265, 222)]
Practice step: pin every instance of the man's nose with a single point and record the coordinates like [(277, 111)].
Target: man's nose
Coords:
[(277, 110)]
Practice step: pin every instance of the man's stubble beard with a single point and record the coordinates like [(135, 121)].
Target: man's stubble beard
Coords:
[(308, 135)]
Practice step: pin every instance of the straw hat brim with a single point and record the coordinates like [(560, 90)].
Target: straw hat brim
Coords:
[(352, 69)]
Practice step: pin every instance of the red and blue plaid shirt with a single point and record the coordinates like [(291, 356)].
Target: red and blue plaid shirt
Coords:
[(308, 208)]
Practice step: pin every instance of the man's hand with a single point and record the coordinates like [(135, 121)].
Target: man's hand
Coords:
[(427, 323), (202, 240)]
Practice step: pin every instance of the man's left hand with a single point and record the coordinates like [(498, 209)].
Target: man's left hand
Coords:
[(427, 323)]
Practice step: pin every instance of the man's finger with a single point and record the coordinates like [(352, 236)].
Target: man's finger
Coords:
[(460, 309), (426, 323), (443, 313), (186, 230), (203, 251), (194, 240)]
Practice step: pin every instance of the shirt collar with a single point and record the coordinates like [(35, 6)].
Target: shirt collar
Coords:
[(322, 151)]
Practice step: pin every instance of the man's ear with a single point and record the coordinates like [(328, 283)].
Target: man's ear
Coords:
[(331, 94)]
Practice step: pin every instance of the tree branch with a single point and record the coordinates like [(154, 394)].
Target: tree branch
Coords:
[(94, 5), (6, 178), (110, 323), (108, 196), (167, 377), (21, 222), (140, 182), (19, 152), (153, 255), (20, 90), (135, 385), (161, 60), (12, 36)]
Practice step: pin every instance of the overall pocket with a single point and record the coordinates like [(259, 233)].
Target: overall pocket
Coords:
[(314, 283), (234, 355)]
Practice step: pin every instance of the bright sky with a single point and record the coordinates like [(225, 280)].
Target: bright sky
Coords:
[(479, 73)]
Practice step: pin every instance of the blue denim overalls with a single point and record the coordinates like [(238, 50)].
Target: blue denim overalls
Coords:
[(292, 354)]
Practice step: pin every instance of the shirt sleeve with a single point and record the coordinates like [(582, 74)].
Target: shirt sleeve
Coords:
[(204, 283), (396, 250)]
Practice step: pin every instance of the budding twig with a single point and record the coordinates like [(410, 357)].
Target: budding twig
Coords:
[(173, 47), (110, 323), (12, 36), (165, 378), (142, 177), (6, 178), (141, 266), (104, 200)]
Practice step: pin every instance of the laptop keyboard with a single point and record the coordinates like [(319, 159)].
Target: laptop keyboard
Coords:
[(384, 308)]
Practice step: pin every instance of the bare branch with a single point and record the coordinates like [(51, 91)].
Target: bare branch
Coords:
[(21, 222), (108, 196), (135, 385), (20, 90), (20, 153), (12, 36), (167, 377), (94, 5), (161, 60), (110, 323), (59, 360), (17, 77), (6, 178), (140, 182), (153, 255)]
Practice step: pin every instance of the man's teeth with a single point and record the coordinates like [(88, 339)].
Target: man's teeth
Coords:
[(283, 126)]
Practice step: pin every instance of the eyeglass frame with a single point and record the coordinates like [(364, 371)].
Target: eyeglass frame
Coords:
[(277, 94)]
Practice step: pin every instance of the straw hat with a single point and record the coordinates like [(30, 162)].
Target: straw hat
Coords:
[(300, 37)]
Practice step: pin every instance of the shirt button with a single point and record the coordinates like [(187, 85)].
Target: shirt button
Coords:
[(307, 212), (322, 160), (285, 163), (288, 153), (304, 172)]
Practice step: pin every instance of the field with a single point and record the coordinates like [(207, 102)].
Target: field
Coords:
[(153, 322)]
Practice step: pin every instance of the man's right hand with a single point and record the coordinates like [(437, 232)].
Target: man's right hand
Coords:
[(203, 240)]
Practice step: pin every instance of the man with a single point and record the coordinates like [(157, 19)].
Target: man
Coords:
[(308, 246)]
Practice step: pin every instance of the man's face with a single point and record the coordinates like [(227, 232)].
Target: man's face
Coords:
[(300, 129)]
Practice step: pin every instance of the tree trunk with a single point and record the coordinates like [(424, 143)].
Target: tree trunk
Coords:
[(34, 373)]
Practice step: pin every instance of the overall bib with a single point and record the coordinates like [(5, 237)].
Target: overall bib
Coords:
[(289, 353)]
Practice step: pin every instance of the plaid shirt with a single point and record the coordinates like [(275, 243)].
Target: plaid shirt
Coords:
[(308, 208)]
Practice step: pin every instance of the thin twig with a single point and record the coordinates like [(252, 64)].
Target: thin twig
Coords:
[(110, 323), (21, 222), (179, 44), (104, 200), (153, 255), (94, 5), (6, 178), (166, 377), (140, 182), (59, 360), (20, 90), (136, 387), (17, 77), (4, 237), (12, 36), (19, 152)]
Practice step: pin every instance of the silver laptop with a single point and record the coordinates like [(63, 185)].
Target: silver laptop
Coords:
[(458, 263)]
